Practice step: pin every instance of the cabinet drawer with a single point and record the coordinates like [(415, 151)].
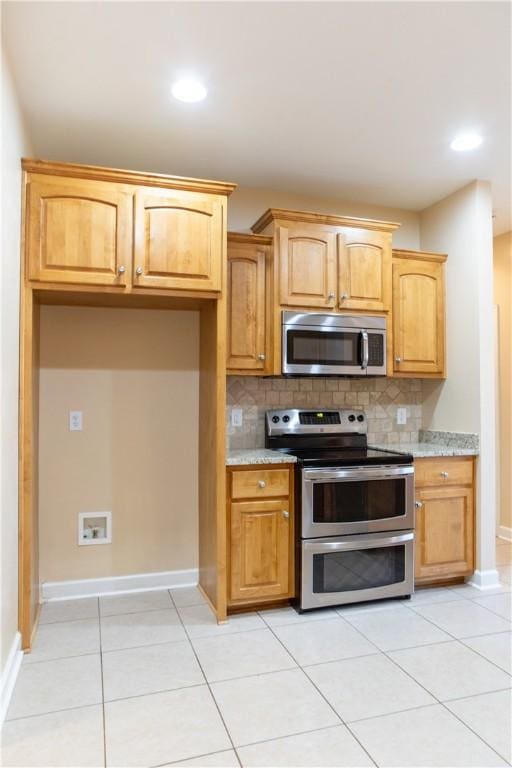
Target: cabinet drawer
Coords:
[(443, 470), (260, 483)]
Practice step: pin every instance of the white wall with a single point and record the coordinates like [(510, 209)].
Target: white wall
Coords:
[(246, 205), (461, 225), (14, 144)]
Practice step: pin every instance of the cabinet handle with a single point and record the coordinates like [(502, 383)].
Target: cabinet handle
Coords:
[(398, 359), (261, 483), (418, 504), (344, 296), (286, 514), (444, 474), (138, 271), (121, 270), (261, 357), (331, 296)]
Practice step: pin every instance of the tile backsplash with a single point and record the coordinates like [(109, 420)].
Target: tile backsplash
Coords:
[(379, 398)]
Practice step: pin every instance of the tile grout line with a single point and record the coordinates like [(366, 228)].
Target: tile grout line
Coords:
[(102, 692), (459, 640), (386, 654), (325, 699), (209, 689), (442, 704), (441, 642), (452, 638), (464, 600)]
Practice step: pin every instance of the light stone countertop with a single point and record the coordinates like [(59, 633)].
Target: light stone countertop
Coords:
[(258, 456), (424, 450)]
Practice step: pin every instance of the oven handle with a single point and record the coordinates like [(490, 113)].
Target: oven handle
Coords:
[(346, 475), (349, 542)]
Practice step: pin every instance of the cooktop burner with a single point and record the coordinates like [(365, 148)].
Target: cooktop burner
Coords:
[(348, 457), (326, 438)]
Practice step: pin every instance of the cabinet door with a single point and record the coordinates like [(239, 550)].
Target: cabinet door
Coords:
[(444, 533), (179, 240), (364, 271), (247, 347), (78, 231), (418, 317), (307, 267), (259, 549)]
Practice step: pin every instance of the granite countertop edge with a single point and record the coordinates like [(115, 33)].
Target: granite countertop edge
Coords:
[(258, 456), (426, 450)]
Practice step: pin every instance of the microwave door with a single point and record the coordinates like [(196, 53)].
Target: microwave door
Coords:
[(322, 351)]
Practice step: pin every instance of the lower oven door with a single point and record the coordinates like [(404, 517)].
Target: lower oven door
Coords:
[(339, 502), (356, 568)]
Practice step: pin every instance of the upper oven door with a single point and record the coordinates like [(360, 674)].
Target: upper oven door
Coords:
[(336, 502), (323, 350)]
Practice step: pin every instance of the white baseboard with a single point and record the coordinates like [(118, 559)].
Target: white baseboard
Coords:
[(504, 533), (9, 675), (485, 580), (116, 585)]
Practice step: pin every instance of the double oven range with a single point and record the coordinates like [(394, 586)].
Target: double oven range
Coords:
[(355, 508)]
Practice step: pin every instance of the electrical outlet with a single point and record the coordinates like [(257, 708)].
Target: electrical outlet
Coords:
[(237, 417), (75, 421), (401, 416)]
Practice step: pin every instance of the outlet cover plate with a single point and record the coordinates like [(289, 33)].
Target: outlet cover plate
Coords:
[(237, 417), (401, 416), (75, 421)]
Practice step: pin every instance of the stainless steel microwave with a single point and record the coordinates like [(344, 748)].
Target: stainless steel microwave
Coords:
[(317, 344)]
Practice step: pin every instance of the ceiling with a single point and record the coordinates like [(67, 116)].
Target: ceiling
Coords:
[(356, 100)]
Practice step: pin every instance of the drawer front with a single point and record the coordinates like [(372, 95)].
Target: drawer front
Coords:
[(444, 470), (260, 484)]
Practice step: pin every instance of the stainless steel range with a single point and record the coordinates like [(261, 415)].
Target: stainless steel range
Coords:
[(355, 522)]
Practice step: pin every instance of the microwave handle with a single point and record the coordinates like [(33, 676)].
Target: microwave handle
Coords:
[(365, 355)]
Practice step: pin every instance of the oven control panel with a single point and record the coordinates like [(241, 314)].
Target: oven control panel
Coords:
[(299, 421)]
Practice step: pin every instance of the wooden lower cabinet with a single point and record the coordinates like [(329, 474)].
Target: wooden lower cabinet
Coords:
[(260, 536), (445, 520)]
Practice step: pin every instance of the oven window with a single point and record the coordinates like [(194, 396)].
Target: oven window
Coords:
[(323, 348), (358, 501), (358, 569)]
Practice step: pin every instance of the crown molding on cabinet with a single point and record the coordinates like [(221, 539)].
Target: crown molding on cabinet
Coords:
[(420, 255), (245, 237), (281, 214), (99, 173)]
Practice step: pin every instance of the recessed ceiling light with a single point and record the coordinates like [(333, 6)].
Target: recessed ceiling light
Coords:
[(466, 141), (189, 90)]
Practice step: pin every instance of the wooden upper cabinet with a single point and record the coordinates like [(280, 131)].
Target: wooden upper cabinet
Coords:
[(418, 314), (307, 267), (78, 231), (178, 240), (364, 272), (248, 313), (88, 225), (328, 262)]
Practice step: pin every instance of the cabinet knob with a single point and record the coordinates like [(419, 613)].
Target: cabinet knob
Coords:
[(286, 514), (344, 296), (121, 270), (418, 504), (444, 474), (398, 359), (331, 295), (261, 483), (261, 357), (138, 271)]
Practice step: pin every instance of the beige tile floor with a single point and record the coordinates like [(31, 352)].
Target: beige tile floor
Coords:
[(151, 680)]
